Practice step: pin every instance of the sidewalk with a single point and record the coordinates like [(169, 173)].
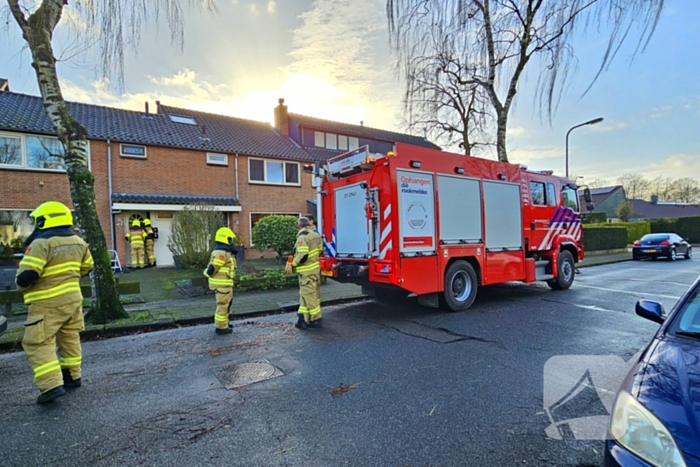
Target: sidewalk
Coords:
[(183, 311)]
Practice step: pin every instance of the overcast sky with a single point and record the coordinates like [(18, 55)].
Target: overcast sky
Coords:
[(330, 59)]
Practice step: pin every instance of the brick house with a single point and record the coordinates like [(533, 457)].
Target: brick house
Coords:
[(323, 139), (150, 164)]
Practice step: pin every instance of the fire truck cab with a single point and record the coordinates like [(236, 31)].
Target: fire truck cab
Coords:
[(440, 225)]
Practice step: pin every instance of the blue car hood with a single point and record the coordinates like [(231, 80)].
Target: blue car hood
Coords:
[(670, 387)]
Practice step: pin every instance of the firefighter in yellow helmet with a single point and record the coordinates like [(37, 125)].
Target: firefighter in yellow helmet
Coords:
[(136, 237), (150, 237), (305, 261), (220, 271), (48, 276)]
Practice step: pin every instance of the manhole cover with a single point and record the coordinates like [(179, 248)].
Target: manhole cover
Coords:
[(243, 374)]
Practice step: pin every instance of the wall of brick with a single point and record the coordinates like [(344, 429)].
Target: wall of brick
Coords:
[(164, 171)]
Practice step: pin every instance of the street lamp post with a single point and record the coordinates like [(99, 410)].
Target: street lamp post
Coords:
[(590, 122)]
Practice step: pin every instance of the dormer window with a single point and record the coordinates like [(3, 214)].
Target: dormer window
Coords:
[(181, 119)]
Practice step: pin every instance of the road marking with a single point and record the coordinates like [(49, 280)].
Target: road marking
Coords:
[(585, 307), (630, 292), (663, 282)]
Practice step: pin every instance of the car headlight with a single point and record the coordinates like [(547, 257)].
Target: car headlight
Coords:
[(638, 430)]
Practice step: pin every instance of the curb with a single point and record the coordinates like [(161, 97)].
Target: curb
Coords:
[(602, 263), (132, 329)]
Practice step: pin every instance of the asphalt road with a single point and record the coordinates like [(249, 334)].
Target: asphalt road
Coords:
[(419, 387)]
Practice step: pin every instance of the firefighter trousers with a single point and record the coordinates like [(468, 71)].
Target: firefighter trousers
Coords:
[(137, 255), (150, 255), (309, 300), (46, 328), (224, 295)]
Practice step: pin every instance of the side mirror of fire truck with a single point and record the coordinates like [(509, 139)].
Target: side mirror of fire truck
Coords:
[(587, 195)]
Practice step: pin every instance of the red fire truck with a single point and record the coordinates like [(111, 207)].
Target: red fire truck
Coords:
[(439, 225)]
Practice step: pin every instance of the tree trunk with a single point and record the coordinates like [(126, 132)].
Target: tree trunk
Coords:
[(37, 30), (501, 135)]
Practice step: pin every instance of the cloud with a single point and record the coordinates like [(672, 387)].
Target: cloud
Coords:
[(271, 6), (614, 126), (674, 166), (253, 8), (527, 154), (660, 112), (517, 132)]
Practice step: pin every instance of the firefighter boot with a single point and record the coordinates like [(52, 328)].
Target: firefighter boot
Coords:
[(227, 330), (51, 395), (69, 382), (301, 322), (316, 323)]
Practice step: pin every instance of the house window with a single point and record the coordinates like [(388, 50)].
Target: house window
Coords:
[(342, 142), (319, 139), (551, 195), (15, 227), (353, 143), (537, 193), (181, 119), (273, 172), (217, 159), (256, 216), (331, 141), (10, 150), (132, 150)]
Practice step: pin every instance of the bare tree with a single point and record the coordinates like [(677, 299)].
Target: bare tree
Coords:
[(114, 25), (685, 190), (438, 98), (499, 38), (662, 188), (598, 183), (635, 186)]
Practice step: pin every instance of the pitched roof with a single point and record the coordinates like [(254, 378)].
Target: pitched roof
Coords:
[(647, 210), (20, 112), (140, 198), (598, 195), (361, 131)]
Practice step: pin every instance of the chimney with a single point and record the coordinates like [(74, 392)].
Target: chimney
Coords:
[(158, 107), (147, 114), (654, 199), (4, 85), (282, 118), (362, 123)]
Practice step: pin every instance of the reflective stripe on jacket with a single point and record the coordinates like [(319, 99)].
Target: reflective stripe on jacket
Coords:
[(224, 265), (60, 263), (135, 236), (306, 252)]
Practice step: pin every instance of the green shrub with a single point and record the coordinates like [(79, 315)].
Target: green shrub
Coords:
[(192, 235), (686, 227), (596, 218), (635, 230), (6, 252), (596, 238), (275, 232)]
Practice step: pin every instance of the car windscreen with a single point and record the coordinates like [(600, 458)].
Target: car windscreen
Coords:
[(655, 238), (688, 318)]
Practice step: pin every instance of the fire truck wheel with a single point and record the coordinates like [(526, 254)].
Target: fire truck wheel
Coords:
[(460, 286), (566, 271)]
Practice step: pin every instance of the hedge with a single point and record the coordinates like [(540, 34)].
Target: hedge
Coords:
[(596, 218), (686, 227), (635, 230), (597, 238)]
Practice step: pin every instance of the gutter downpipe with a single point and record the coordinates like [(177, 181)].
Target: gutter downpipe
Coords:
[(318, 180), (109, 189), (236, 171)]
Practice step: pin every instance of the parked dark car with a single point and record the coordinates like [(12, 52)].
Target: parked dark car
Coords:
[(656, 417), (665, 245)]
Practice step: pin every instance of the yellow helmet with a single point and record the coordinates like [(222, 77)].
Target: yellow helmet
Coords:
[(136, 223), (147, 222), (225, 235), (52, 214)]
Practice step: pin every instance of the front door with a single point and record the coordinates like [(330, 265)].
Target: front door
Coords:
[(162, 221)]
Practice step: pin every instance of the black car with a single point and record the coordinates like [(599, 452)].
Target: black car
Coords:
[(656, 417), (666, 245)]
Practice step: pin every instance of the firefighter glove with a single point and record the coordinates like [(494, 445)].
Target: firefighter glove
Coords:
[(288, 268)]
